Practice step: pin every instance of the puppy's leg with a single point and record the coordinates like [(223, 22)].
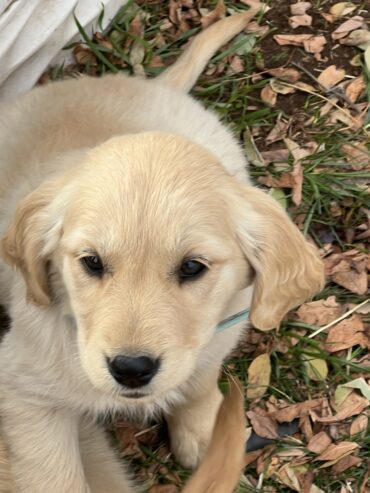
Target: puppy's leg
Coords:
[(103, 471), (191, 423), (43, 448)]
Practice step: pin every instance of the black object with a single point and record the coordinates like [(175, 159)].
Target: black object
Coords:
[(255, 442)]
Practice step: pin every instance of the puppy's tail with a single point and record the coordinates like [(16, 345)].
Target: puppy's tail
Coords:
[(220, 470), (186, 70)]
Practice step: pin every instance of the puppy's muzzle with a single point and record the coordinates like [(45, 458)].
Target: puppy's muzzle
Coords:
[(133, 372)]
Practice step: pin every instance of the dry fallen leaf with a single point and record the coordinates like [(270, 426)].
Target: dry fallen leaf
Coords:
[(348, 270), (278, 132), (345, 463), (346, 334), (319, 443), (297, 177), (293, 411), (331, 76), (316, 368), (315, 45), (215, 15), (320, 312), (352, 406), (259, 373), (361, 385), (359, 425), (337, 451), (300, 20), (236, 66), (268, 95), (264, 426), (292, 39), (357, 154), (356, 22), (286, 74), (281, 88), (357, 37), (276, 156), (342, 8), (288, 477), (355, 88)]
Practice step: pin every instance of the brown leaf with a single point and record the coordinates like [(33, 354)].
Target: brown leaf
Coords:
[(251, 457), (320, 312), (281, 88), (336, 451), (264, 426), (342, 8), (292, 39), (315, 45), (268, 95), (331, 76), (356, 38), (346, 334), (303, 86), (297, 151), (215, 15), (353, 405), (300, 8), (357, 154), (356, 282), (136, 26), (297, 175), (278, 132), (356, 22), (286, 74), (285, 180), (319, 443), (355, 88), (276, 156), (359, 424), (84, 56), (300, 20), (288, 413), (259, 373), (306, 481), (128, 441), (345, 463), (348, 270), (236, 66)]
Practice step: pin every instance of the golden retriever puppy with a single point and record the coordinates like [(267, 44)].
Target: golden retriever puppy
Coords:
[(127, 212)]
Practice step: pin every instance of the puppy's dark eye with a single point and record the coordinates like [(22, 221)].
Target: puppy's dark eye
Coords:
[(93, 265), (191, 269)]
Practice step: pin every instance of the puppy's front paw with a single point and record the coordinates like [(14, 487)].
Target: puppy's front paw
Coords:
[(191, 426), (189, 443)]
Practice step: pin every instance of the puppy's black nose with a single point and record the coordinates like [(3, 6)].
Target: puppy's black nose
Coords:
[(133, 372)]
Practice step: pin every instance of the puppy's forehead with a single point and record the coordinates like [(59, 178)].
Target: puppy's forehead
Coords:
[(149, 187)]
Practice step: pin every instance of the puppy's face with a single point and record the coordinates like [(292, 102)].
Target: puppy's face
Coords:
[(148, 260), (152, 239)]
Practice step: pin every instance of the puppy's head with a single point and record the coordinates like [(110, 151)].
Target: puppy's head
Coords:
[(151, 239)]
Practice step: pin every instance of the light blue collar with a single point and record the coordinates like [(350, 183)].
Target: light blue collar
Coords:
[(232, 320)]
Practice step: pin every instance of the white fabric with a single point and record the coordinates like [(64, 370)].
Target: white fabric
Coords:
[(33, 32)]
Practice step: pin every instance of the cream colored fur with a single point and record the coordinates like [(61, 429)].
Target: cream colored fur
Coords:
[(140, 173)]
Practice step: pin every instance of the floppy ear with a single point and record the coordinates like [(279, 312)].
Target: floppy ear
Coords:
[(288, 269), (29, 240)]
